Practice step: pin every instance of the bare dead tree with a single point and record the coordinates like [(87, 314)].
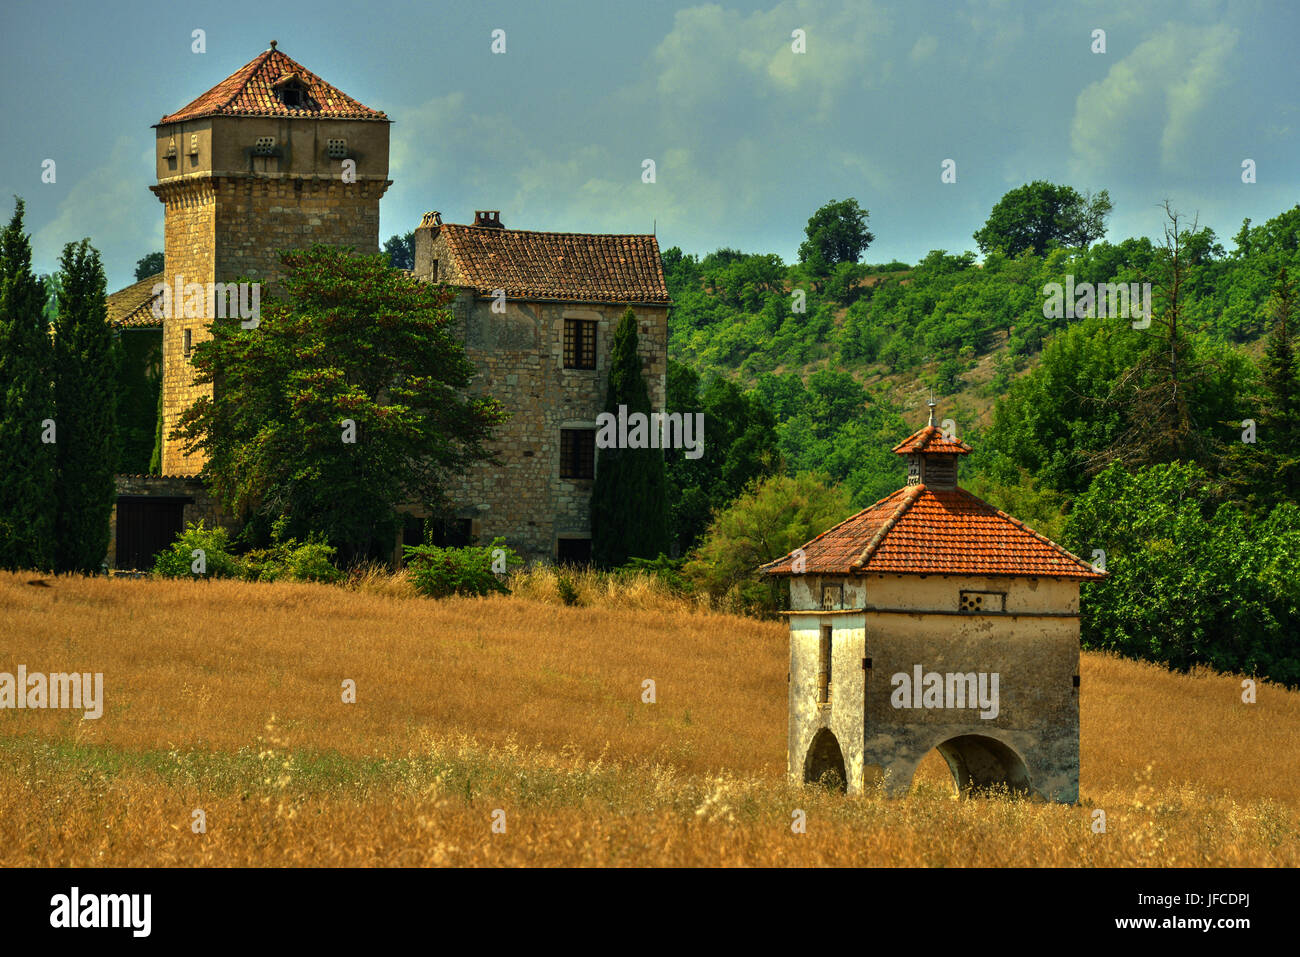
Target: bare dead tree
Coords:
[(1154, 395)]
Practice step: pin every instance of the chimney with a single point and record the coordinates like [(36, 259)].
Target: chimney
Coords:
[(424, 236), (488, 218)]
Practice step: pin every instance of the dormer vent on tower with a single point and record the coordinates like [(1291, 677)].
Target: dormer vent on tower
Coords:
[(932, 456), (292, 92)]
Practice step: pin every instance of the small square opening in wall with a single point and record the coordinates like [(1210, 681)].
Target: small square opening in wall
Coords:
[(194, 144), (982, 601), (573, 551), (832, 597), (264, 146), (336, 148)]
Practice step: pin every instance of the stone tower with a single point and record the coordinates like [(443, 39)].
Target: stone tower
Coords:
[(269, 159), (933, 621)]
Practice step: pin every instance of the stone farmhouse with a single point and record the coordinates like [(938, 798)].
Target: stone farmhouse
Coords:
[(932, 620), (274, 158)]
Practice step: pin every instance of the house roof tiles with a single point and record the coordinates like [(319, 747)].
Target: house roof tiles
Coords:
[(569, 267), (132, 306)]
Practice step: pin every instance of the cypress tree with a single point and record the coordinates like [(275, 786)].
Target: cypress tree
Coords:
[(629, 501), (27, 463), (85, 396)]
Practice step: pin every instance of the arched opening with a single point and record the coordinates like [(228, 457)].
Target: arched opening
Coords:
[(979, 765), (824, 765)]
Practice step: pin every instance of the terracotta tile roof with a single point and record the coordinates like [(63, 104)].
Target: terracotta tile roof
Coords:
[(571, 267), (250, 91), (131, 308), (931, 441), (922, 531)]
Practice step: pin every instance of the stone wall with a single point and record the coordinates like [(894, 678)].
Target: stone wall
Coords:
[(519, 355), (205, 507), (189, 251), (229, 214), (1033, 648)]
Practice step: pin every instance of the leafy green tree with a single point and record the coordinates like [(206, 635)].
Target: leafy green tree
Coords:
[(741, 446), (401, 250), (629, 507), (1190, 584), (27, 464), (837, 233), (149, 265), (347, 401), (85, 395), (1040, 215), (772, 517)]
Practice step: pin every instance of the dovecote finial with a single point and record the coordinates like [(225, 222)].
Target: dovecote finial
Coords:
[(931, 404), (272, 44)]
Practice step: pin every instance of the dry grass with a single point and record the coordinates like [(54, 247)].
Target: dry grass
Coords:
[(470, 705), (590, 588)]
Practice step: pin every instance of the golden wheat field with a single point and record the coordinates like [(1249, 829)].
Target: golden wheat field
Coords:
[(225, 697)]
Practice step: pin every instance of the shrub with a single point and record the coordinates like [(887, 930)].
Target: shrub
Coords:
[(771, 518), (567, 589), (440, 572), (667, 570), (177, 561), (311, 561)]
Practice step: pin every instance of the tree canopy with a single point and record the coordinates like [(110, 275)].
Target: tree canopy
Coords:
[(837, 233), (348, 400), (1040, 215)]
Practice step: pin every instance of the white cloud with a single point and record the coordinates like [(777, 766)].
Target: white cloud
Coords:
[(1154, 101), (924, 48), (112, 206)]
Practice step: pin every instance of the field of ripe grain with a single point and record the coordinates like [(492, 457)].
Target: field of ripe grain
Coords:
[(226, 697)]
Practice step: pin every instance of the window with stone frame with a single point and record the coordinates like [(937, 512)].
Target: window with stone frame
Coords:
[(577, 453), (579, 344)]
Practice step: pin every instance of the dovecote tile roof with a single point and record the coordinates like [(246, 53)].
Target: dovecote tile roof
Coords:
[(932, 441), (923, 531), (251, 91), (569, 267)]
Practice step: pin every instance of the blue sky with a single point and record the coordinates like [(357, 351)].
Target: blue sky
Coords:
[(748, 137)]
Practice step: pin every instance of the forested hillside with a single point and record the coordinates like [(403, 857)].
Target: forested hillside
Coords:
[(1188, 414)]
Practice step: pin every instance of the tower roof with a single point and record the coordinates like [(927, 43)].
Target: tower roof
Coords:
[(931, 440), (923, 531), (251, 91)]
